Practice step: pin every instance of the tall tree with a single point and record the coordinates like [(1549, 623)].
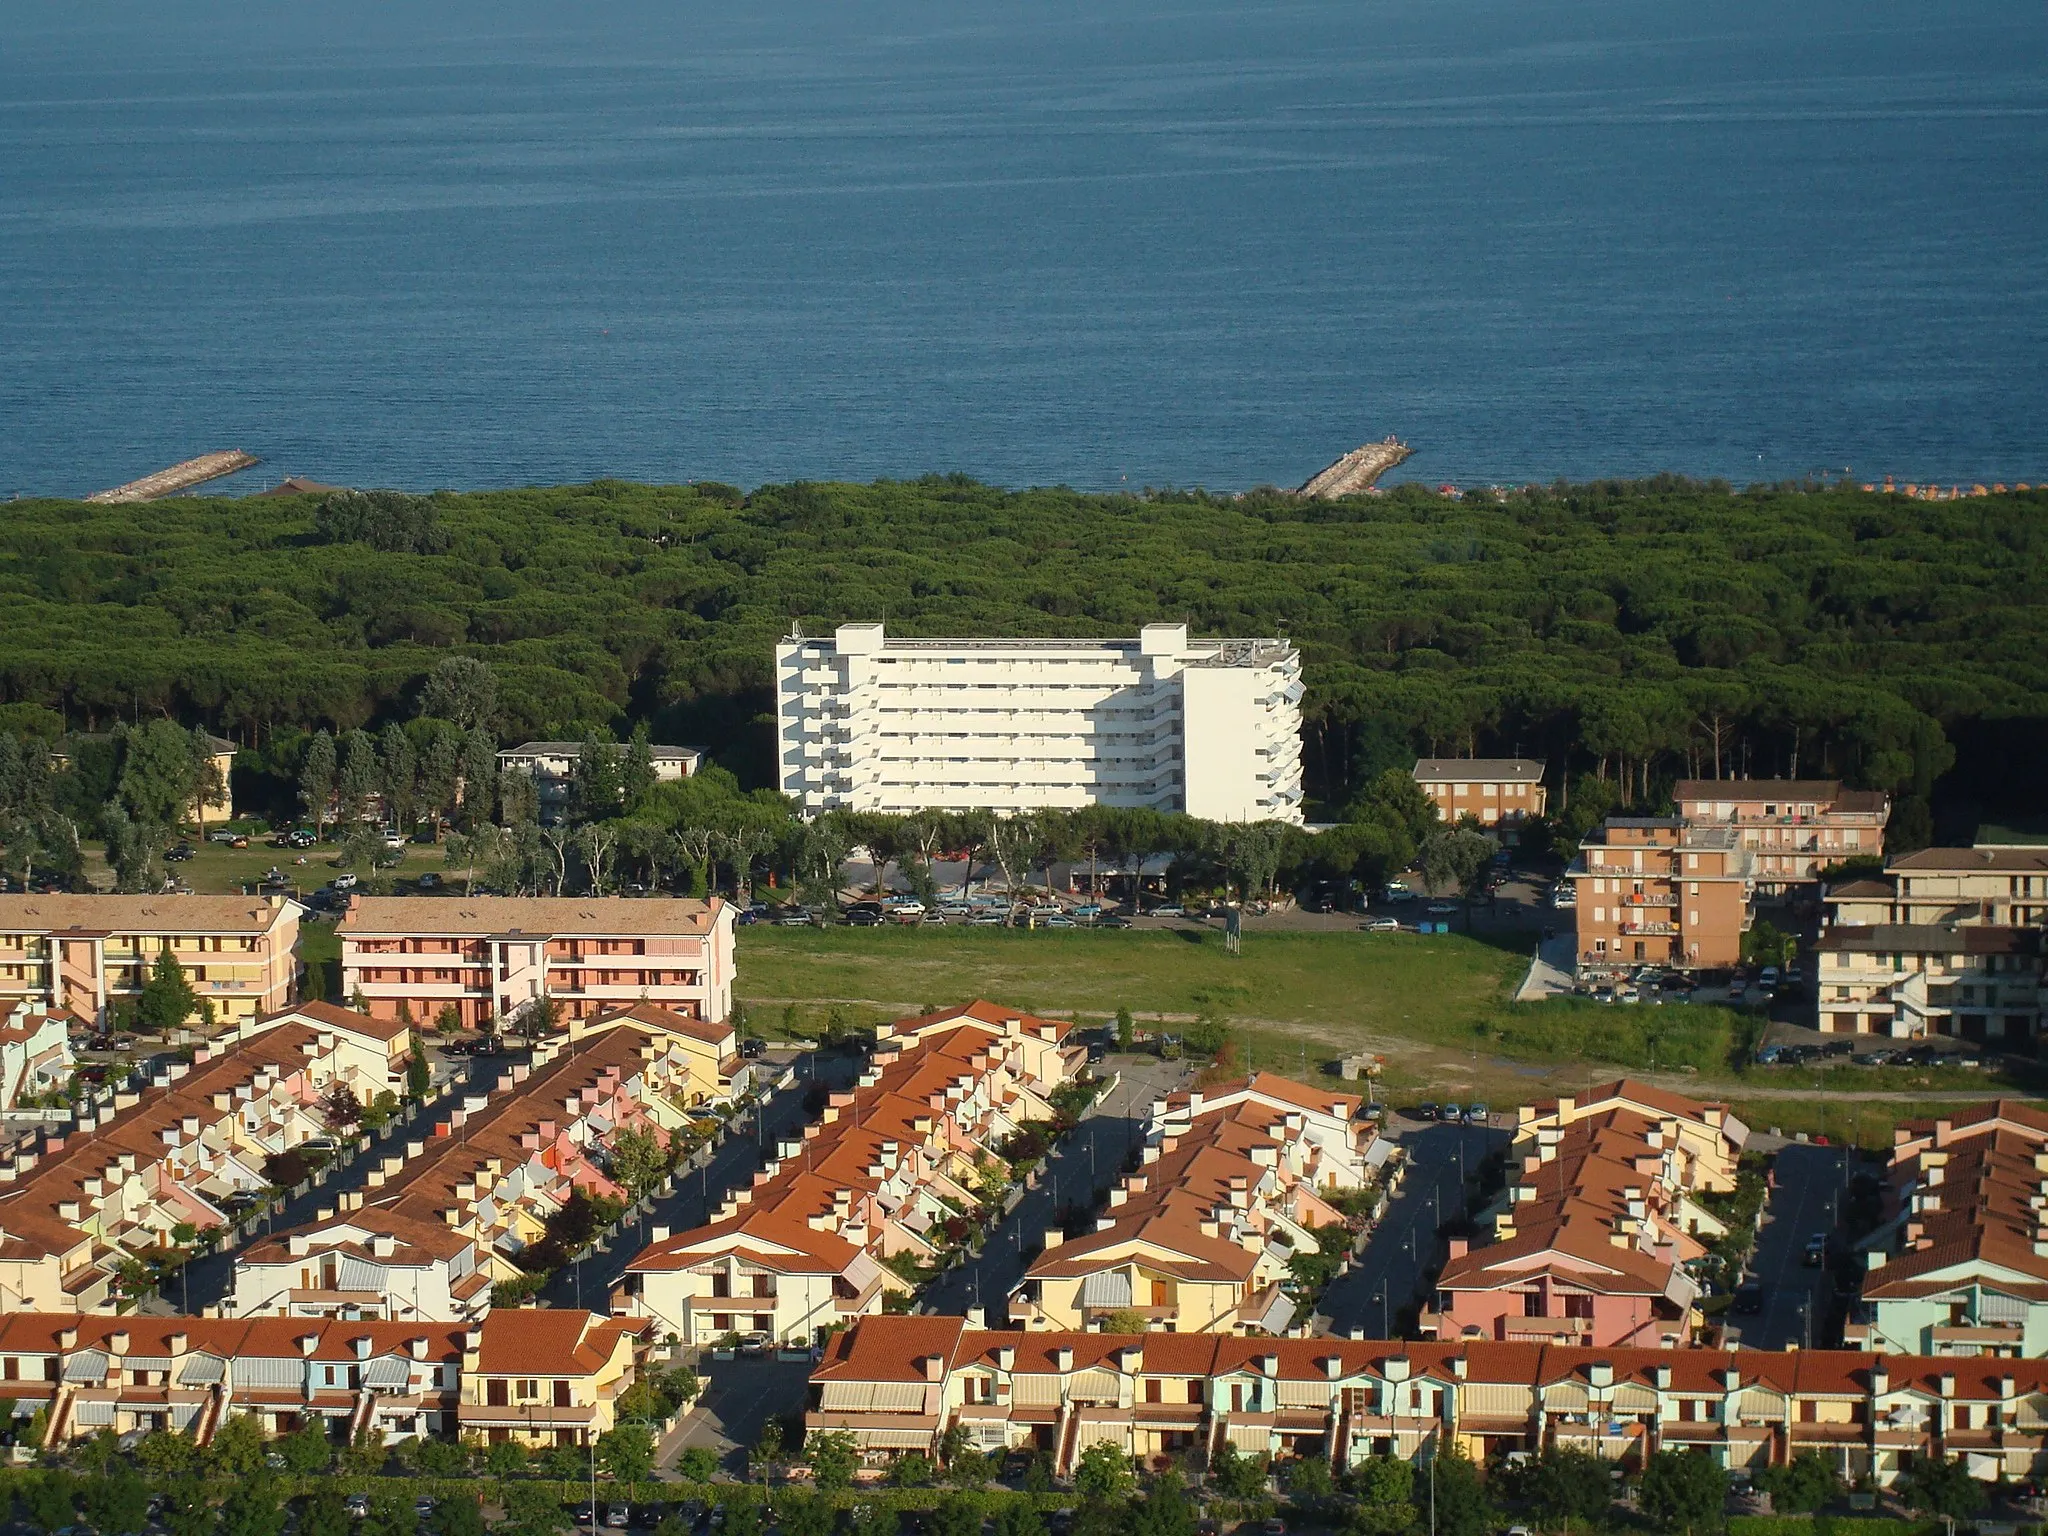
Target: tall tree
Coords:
[(398, 778), (317, 776), (357, 781), (462, 690), (479, 776)]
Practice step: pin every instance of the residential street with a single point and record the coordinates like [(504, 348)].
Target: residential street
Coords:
[(588, 1281), (1078, 1173), (207, 1280), (1404, 1253), (1805, 1185)]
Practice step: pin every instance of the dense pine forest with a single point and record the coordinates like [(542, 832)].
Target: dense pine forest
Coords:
[(1636, 631)]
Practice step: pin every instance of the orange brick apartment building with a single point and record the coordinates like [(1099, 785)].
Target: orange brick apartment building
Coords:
[(1499, 791), (1795, 827), (1653, 890), (492, 955)]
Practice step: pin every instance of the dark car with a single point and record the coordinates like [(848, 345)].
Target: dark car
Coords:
[(179, 854), (864, 917), (1749, 1299), (1426, 1112), (753, 1048), (1816, 1253), (1097, 1053)]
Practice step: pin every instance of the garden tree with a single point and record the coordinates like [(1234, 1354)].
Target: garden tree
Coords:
[(391, 521), (1454, 1501), (697, 1464), (463, 691), (673, 1524), (167, 999), (1126, 1030), (398, 777), (833, 1457), (1455, 856), (317, 776), (597, 788), (324, 1512), (1384, 1486), (913, 1469), (957, 1514), (134, 849), (532, 1510), (1104, 1472), (50, 1502), (1017, 1517), (1236, 1475), (340, 1108), (165, 1454), (1682, 1490), (1308, 1481), (116, 1503), (627, 1452), (208, 784), (969, 1469), (742, 1518), (1802, 1485), (1166, 1510), (188, 1507), (1567, 1484), (254, 1506), (391, 1514), (440, 770), (1941, 1487), (639, 1161), (504, 1458), (306, 1451), (158, 775), (236, 1449), (458, 1515), (538, 1018), (479, 776), (805, 1514), (357, 779)]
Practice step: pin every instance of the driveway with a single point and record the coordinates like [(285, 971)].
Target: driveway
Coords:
[(739, 1396), (1805, 1184), (1404, 1254), (1078, 1174)]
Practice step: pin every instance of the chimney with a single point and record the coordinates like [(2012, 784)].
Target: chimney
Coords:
[(1459, 1247), (1333, 1366), (1459, 1366), (977, 1318), (1053, 1238), (1880, 1379), (177, 1343), (658, 1234), (67, 1337), (1006, 1357), (117, 1342), (362, 1347), (1661, 1374), (308, 1342), (1063, 1357), (1131, 1358)]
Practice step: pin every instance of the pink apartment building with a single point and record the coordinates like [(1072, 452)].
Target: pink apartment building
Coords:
[(491, 956)]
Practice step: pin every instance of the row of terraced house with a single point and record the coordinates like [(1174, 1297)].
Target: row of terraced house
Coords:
[(1233, 1181), (898, 1385), (893, 1168), (537, 1378), (121, 1181), (434, 1229), (1593, 1241)]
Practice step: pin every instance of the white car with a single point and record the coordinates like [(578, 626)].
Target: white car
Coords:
[(1382, 925)]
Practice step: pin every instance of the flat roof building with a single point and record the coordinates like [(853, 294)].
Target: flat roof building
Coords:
[(1499, 791), (867, 722)]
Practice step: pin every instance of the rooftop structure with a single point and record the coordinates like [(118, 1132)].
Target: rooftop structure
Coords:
[(1795, 827)]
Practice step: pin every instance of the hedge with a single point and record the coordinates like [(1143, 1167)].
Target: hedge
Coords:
[(1828, 1525)]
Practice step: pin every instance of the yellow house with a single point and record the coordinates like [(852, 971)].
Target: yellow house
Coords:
[(546, 1377), (1709, 1139)]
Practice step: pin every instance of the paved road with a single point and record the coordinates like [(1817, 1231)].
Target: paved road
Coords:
[(205, 1281), (739, 1396), (1079, 1174), (588, 1281), (1805, 1184), (1404, 1253)]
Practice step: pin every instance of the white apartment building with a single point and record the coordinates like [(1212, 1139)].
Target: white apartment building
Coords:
[(1210, 727)]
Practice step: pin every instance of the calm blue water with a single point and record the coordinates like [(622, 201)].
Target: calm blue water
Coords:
[(424, 243)]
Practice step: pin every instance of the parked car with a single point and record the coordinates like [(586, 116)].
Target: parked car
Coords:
[(1476, 1114), (357, 1504), (864, 917), (179, 854), (1381, 925), (1816, 1251), (1170, 909), (753, 1048), (345, 881), (1427, 1112), (428, 881), (1749, 1299), (1442, 909), (222, 835), (617, 1517), (754, 1345), (794, 917)]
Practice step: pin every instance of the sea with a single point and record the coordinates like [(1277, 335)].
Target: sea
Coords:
[(1112, 244)]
